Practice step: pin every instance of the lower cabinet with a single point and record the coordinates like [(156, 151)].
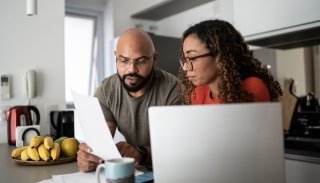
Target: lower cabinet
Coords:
[(302, 172)]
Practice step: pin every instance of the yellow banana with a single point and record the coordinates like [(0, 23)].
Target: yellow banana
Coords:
[(33, 153), (55, 151), (24, 155), (48, 143), (44, 153), (17, 151), (36, 141)]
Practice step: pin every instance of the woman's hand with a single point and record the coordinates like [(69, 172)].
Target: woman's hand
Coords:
[(86, 161)]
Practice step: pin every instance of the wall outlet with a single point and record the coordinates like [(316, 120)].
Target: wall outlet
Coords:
[(3, 124), (3, 110), (5, 85), (49, 108)]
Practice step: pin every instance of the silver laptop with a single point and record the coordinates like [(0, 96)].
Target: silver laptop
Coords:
[(217, 143)]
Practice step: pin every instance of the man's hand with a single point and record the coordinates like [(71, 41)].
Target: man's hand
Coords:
[(127, 150), (85, 160)]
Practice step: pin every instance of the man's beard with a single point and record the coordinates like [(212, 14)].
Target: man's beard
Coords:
[(141, 81)]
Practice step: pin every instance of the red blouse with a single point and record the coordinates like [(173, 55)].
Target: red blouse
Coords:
[(254, 85)]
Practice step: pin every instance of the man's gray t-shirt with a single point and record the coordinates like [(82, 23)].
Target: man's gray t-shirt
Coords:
[(131, 114)]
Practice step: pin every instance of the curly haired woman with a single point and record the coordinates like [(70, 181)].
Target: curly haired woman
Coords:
[(218, 67)]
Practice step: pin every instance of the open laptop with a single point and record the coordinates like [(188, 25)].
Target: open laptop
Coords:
[(217, 143)]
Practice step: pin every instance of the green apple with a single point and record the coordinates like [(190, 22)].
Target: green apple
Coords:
[(60, 140)]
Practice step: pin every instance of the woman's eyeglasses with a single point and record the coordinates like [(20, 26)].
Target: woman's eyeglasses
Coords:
[(188, 60)]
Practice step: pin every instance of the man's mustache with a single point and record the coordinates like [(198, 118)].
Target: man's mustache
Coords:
[(132, 75)]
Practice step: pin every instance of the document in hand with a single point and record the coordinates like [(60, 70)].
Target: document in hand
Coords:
[(94, 127)]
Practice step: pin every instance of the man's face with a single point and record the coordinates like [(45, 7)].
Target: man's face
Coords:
[(134, 72)]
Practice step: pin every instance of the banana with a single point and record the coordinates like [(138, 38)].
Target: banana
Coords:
[(48, 143), (17, 151), (33, 153), (36, 141), (55, 151), (44, 153), (24, 155)]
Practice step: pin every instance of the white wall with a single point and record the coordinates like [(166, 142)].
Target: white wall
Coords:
[(37, 43), (291, 64)]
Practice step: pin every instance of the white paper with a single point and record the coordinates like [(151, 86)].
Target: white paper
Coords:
[(78, 177), (81, 177), (94, 127)]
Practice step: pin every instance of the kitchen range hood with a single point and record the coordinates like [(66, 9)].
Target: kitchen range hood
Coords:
[(287, 39)]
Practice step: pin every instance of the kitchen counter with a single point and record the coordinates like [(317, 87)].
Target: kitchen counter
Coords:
[(299, 168), (302, 149), (301, 155), (12, 172)]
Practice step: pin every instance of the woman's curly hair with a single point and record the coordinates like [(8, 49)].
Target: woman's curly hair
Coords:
[(236, 61)]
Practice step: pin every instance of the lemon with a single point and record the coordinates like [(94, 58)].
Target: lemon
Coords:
[(69, 147)]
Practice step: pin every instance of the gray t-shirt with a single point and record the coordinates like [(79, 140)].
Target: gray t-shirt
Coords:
[(131, 114)]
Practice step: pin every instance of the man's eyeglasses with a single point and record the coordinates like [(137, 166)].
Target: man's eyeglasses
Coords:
[(140, 62), (188, 60)]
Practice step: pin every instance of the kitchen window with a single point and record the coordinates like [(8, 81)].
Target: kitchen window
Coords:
[(83, 52)]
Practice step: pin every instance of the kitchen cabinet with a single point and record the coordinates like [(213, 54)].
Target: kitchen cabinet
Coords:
[(270, 18), (301, 171), (169, 52), (171, 17)]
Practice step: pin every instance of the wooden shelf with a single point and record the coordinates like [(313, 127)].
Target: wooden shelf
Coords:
[(168, 8)]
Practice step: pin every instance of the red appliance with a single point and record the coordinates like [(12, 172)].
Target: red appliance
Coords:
[(20, 116)]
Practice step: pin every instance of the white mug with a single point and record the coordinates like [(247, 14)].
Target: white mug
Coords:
[(117, 170)]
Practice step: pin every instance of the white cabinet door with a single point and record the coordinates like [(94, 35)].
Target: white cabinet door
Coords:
[(302, 172), (252, 17)]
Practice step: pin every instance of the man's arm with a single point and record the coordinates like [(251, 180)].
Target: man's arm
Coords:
[(127, 150), (112, 127)]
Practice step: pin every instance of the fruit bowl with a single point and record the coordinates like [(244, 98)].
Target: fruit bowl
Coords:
[(44, 151), (61, 160)]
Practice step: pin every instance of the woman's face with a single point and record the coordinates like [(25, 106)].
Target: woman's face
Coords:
[(205, 69)]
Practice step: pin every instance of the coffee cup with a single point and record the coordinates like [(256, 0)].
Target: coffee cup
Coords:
[(117, 170)]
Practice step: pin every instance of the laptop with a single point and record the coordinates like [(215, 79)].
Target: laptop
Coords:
[(217, 143)]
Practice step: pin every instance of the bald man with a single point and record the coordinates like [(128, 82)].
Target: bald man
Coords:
[(125, 97)]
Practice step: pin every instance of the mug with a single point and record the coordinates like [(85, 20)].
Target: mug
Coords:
[(117, 170)]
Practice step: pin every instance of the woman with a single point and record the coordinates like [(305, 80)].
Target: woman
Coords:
[(218, 67)]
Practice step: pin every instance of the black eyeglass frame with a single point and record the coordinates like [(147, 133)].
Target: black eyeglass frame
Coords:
[(189, 60)]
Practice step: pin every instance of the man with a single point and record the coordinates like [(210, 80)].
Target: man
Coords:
[(125, 97)]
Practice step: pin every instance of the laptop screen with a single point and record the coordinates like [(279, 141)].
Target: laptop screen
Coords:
[(217, 143)]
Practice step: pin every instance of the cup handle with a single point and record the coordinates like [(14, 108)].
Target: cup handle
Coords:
[(98, 170)]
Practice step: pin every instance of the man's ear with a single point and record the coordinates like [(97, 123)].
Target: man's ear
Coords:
[(115, 53), (155, 56)]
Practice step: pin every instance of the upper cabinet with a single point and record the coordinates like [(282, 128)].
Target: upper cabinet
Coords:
[(172, 17), (257, 20)]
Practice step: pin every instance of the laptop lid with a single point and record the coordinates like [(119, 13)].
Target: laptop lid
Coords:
[(217, 143)]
